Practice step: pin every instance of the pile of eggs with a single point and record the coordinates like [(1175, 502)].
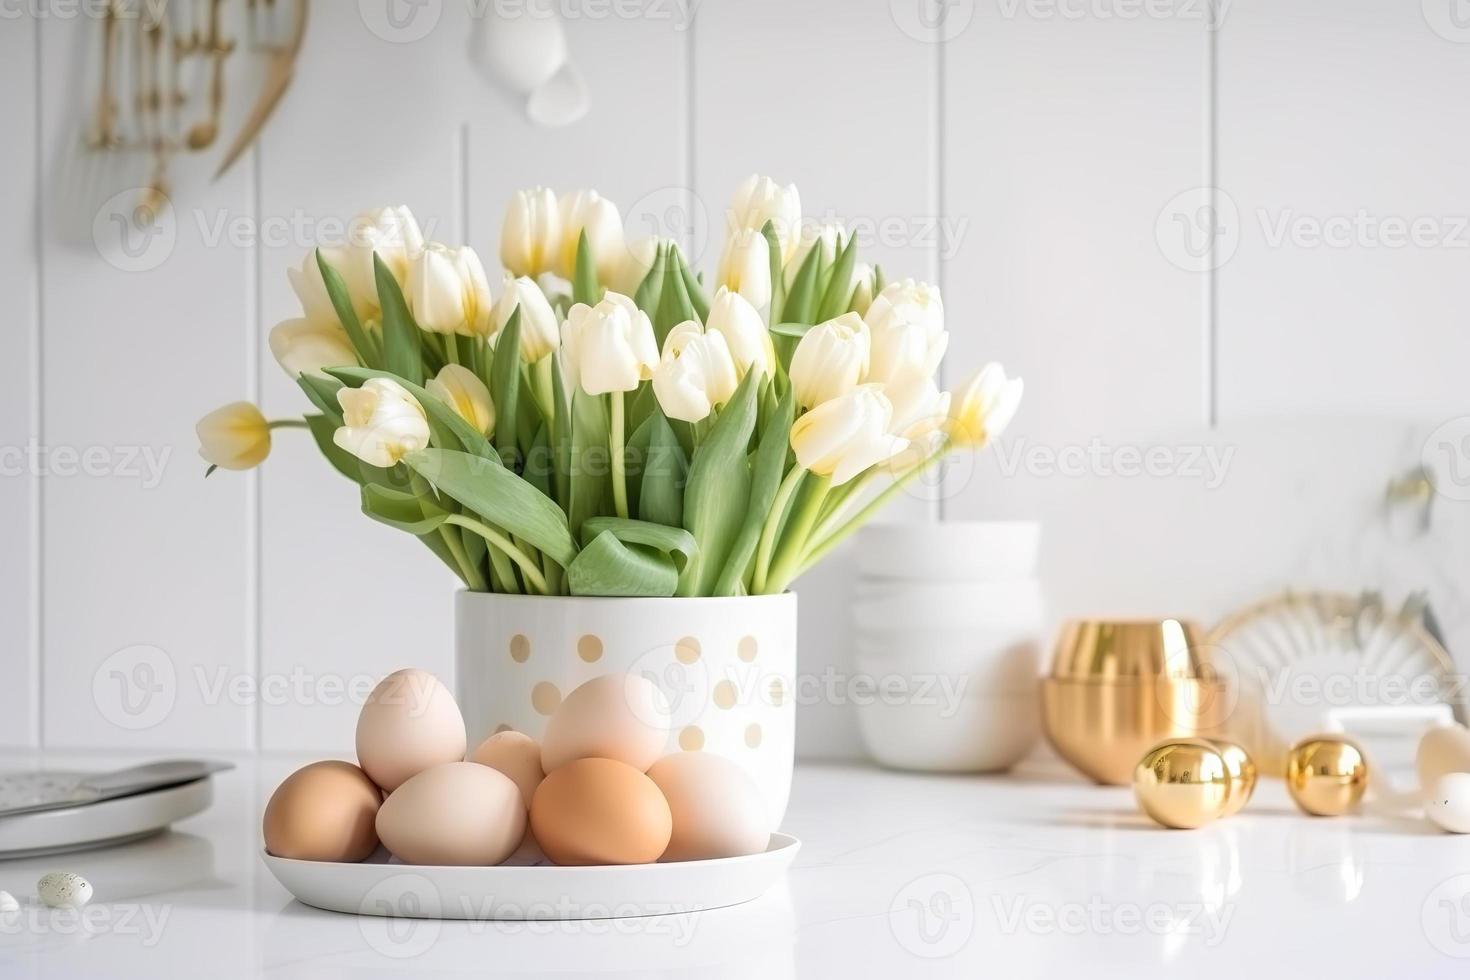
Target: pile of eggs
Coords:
[(598, 788)]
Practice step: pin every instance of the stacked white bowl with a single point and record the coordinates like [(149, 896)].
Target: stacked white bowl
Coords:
[(949, 621)]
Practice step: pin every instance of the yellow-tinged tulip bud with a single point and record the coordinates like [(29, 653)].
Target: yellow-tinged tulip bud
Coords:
[(381, 422), (830, 360), (530, 238), (591, 212), (760, 199), (462, 390), (306, 347), (608, 347), (744, 331), (745, 267), (540, 332), (311, 291), (695, 374), (846, 435), (391, 233), (907, 324), (984, 406), (235, 437), (447, 291)]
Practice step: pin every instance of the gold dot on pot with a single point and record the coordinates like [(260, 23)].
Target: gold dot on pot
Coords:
[(778, 692), (687, 650), (747, 649), (520, 648), (691, 739), (545, 697), (753, 736), (589, 648), (725, 694)]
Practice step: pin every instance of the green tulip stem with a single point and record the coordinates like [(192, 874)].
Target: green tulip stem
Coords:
[(615, 436), (287, 424), (773, 524), (804, 511), (507, 547), (821, 545), (467, 569)]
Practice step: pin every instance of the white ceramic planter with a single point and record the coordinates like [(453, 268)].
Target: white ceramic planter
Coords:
[(726, 665), (949, 620)]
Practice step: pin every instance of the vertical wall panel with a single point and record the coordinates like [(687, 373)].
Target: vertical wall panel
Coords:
[(18, 484), (1344, 149), (373, 119), (146, 584), (841, 103), (1066, 139)]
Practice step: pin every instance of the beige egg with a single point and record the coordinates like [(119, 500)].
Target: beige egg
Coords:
[(455, 813), (1448, 803), (717, 810), (323, 812), (409, 723), (598, 811), (1442, 751), (515, 754), (616, 716)]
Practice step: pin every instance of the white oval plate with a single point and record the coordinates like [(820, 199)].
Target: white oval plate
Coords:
[(107, 822), (377, 887)]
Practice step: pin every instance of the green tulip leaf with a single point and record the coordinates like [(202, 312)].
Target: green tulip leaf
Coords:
[(770, 462), (561, 435), (693, 289), (322, 391), (664, 472), (647, 295), (589, 464), (609, 567), (778, 272), (839, 288), (505, 387), (417, 514), (801, 300), (675, 542), (500, 497), (718, 491), (362, 342), (585, 288), (402, 346), (673, 305)]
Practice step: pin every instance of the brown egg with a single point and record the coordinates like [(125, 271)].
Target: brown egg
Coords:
[(408, 724), (323, 812), (516, 755), (597, 811)]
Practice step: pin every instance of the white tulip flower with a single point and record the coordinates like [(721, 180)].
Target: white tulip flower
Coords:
[(235, 437), (984, 406), (920, 415), (303, 346), (696, 373), (530, 238), (830, 360), (907, 324), (610, 346), (760, 199), (846, 435), (311, 290), (827, 237), (391, 233), (745, 267), (462, 390), (744, 331), (448, 292), (591, 212), (540, 332), (381, 422), (638, 259)]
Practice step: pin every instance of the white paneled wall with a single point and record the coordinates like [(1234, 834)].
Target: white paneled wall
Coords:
[(1047, 163)]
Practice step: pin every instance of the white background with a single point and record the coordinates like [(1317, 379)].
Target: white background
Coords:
[(1044, 160)]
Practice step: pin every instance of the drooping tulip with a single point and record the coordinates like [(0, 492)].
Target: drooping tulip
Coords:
[(540, 332), (830, 360), (530, 238), (448, 292), (907, 324), (381, 422), (745, 267), (590, 212), (462, 390), (234, 437), (745, 332), (846, 435), (984, 406), (303, 346), (610, 346), (696, 373)]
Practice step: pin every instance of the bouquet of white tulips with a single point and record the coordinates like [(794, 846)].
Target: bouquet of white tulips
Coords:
[(605, 424)]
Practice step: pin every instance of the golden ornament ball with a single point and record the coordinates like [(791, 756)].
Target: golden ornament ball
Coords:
[(1326, 775), (1242, 770), (1183, 783)]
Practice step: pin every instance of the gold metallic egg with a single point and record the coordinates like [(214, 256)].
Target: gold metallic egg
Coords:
[(1242, 770), (1183, 783), (1326, 775)]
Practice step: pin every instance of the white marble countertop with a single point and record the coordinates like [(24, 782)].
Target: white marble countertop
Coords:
[(1033, 874)]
